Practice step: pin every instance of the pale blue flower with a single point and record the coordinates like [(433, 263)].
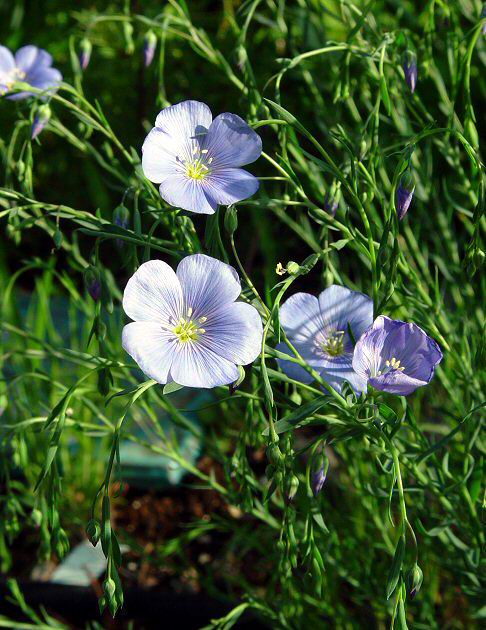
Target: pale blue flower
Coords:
[(188, 327), (319, 328), (396, 357), (30, 65), (196, 160)]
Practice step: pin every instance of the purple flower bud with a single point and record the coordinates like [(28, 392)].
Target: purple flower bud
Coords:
[(149, 46), (319, 475), (483, 17), (92, 281), (331, 203), (85, 53), (405, 192), (410, 69), (41, 118), (121, 217)]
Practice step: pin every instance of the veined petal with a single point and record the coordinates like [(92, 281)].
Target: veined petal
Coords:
[(7, 61), (231, 142), (30, 58), (186, 122), (151, 347), (340, 306), (183, 192), (397, 383), (195, 365), (207, 284), (340, 369), (234, 332), (229, 185), (159, 156), (300, 317), (154, 294)]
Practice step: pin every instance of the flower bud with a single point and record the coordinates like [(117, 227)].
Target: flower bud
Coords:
[(41, 118), (85, 49), (410, 69), (483, 17), (319, 476), (414, 579), (92, 281), (405, 192), (93, 531), (231, 220), (109, 588), (149, 46), (331, 203), (292, 487), (274, 454), (121, 217)]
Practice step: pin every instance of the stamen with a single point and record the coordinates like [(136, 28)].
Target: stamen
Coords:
[(202, 320), (189, 311)]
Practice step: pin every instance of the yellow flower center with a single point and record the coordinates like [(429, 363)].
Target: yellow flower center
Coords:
[(9, 78), (188, 330), (394, 364), (333, 345), (200, 165)]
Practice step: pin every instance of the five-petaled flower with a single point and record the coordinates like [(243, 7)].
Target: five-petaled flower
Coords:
[(188, 327), (319, 329), (196, 160), (30, 65), (395, 356)]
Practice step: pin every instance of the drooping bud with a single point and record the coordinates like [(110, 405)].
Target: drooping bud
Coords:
[(319, 476), (85, 49), (121, 217), (405, 192), (231, 220), (292, 487), (149, 46), (92, 281), (415, 579), (274, 454), (41, 118), (93, 531), (410, 69)]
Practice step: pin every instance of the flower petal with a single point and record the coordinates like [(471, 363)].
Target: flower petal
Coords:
[(185, 122), (234, 332), (153, 294), (159, 156), (340, 369), (300, 317), (44, 78), (229, 185), (183, 192), (341, 306), (151, 347), (7, 61), (207, 284), (30, 58), (396, 382), (197, 366), (231, 142)]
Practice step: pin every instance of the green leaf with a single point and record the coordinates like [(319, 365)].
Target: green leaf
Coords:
[(395, 568)]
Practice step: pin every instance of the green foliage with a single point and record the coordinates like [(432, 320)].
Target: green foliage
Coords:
[(322, 82)]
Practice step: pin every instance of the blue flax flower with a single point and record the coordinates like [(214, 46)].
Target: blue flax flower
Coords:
[(396, 357), (196, 160), (188, 327), (30, 65), (318, 328)]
